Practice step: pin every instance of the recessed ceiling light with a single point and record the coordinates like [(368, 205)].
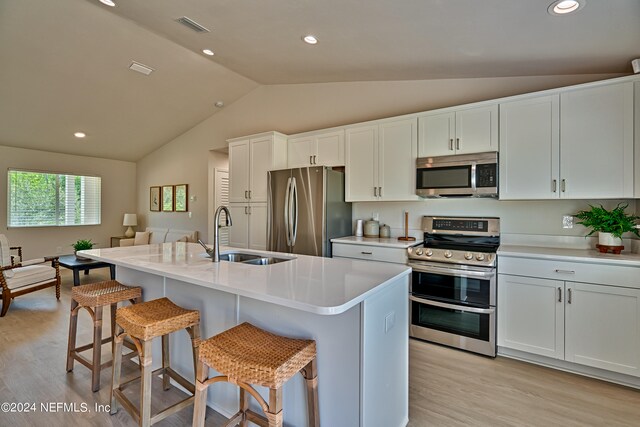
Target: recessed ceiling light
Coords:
[(79, 134), (309, 39), (562, 7), (208, 52), (219, 104), (140, 68), (108, 3)]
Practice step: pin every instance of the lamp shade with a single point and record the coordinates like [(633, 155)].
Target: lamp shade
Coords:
[(130, 220)]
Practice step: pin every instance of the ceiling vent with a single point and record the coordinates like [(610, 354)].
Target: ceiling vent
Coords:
[(141, 68), (190, 23)]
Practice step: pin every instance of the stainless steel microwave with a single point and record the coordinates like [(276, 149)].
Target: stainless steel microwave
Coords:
[(465, 175)]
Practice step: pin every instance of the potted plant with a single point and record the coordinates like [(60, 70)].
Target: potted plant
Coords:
[(610, 224), (81, 245)]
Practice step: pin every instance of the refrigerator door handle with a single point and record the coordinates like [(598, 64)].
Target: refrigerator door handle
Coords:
[(294, 209), (287, 198)]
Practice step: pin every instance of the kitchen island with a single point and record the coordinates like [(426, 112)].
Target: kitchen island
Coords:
[(357, 312)]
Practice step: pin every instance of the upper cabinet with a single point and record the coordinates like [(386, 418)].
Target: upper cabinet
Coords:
[(574, 145), (249, 160), (469, 130), (637, 139), (316, 149), (381, 160)]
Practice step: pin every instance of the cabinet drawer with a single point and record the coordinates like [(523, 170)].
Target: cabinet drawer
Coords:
[(573, 271), (370, 253)]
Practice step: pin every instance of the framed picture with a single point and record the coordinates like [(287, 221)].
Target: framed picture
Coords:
[(182, 197), (154, 199), (167, 198)]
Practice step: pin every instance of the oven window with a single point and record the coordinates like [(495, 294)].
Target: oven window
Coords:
[(444, 177), (472, 325), (452, 289)]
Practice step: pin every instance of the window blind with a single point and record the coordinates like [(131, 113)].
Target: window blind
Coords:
[(37, 199)]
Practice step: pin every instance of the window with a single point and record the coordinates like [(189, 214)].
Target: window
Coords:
[(37, 199)]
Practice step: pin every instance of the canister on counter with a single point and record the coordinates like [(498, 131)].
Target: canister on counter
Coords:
[(371, 228), (385, 231)]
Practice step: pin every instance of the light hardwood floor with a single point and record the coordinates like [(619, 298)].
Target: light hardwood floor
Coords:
[(446, 388)]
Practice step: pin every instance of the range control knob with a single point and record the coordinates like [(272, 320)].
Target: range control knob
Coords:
[(480, 257), (468, 255), (419, 252), (429, 252), (448, 254)]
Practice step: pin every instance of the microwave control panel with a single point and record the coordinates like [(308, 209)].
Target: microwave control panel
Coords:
[(486, 175)]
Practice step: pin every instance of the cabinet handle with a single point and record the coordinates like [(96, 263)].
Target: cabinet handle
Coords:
[(457, 143), (555, 185), (380, 191), (314, 160), (245, 210), (559, 294), (569, 296), (366, 253), (245, 194), (249, 194), (310, 160), (375, 191), (564, 271), (564, 185), (249, 210), (451, 144)]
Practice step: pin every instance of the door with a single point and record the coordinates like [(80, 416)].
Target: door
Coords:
[(596, 142), (238, 171), (361, 158), (531, 315), (301, 151), (398, 150), (603, 327), (530, 149), (437, 133), (239, 230), (330, 149), (258, 226), (261, 161), (278, 217), (477, 130), (308, 199)]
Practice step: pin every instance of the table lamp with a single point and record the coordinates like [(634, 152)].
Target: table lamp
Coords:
[(129, 221)]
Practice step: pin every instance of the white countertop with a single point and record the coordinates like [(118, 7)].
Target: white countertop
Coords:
[(568, 254), (313, 284), (391, 242)]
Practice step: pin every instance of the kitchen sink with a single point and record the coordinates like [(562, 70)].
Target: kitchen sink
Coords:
[(253, 259), (266, 260)]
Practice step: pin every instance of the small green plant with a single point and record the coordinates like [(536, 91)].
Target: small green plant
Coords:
[(82, 245), (615, 221)]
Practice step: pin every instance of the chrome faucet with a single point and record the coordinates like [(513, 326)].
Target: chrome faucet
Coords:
[(215, 253)]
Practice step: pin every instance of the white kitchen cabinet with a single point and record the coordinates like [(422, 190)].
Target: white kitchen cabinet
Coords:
[(637, 139), (317, 149), (464, 131), (380, 161), (594, 325), (370, 252), (249, 229), (249, 160)]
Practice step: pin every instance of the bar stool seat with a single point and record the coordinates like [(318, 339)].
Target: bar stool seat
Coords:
[(93, 297), (246, 355), (141, 323)]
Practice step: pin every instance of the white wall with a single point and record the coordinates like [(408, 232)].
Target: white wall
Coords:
[(297, 108), (118, 197)]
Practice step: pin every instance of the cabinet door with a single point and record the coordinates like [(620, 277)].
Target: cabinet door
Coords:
[(637, 139), (530, 148), (330, 149), (258, 226), (596, 142), (397, 148), (437, 134), (238, 171), (301, 151), (239, 230), (477, 130), (531, 315), (603, 327), (361, 150), (261, 161)]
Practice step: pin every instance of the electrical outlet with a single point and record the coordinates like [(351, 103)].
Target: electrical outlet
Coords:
[(374, 216), (567, 221)]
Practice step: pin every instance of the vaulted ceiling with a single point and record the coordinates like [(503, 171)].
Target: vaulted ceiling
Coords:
[(64, 64)]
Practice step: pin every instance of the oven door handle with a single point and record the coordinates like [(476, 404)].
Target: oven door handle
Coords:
[(451, 272), (452, 306)]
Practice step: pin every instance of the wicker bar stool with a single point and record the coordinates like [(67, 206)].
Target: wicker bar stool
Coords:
[(245, 355), (93, 298), (141, 323)]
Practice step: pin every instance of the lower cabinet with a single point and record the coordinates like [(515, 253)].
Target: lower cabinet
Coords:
[(590, 324), (249, 228), (369, 252)]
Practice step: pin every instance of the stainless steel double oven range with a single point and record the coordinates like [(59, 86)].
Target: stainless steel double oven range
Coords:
[(453, 286)]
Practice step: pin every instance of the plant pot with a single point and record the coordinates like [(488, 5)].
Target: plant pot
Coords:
[(607, 239), (80, 257)]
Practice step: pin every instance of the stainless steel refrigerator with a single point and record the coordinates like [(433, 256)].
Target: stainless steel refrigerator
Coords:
[(306, 210)]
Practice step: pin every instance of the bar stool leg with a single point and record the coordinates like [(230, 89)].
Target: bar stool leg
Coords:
[(244, 407), (274, 414), (145, 386), (97, 348), (117, 367), (73, 328), (200, 399), (114, 307), (310, 374), (166, 383)]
